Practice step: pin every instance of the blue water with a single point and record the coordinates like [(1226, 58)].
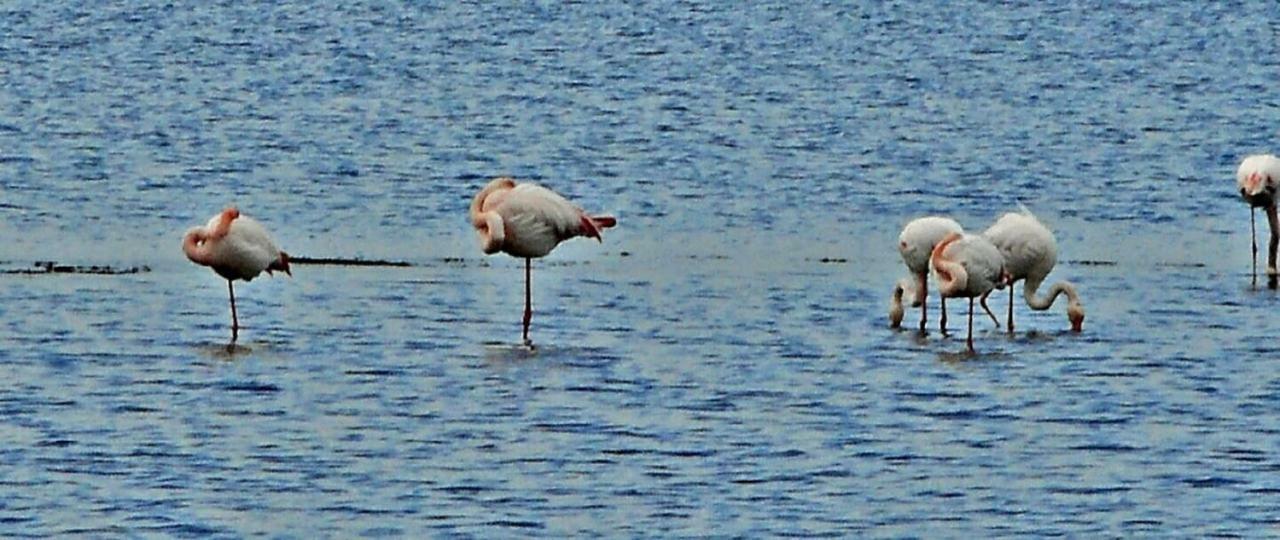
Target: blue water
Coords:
[(721, 365)]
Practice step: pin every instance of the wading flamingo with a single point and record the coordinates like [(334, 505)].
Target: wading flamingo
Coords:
[(915, 244), (236, 247), (527, 220), (967, 266), (1258, 178), (1030, 252)]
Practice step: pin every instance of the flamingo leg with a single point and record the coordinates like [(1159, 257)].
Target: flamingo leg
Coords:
[(923, 287), (1253, 239), (970, 340), (1274, 221), (528, 300), (1010, 320), (943, 324), (235, 322), (986, 308)]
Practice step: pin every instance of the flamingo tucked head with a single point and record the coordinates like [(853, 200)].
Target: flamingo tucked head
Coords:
[(484, 217)]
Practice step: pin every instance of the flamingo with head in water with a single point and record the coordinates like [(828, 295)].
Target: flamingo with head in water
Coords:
[(527, 220), (915, 245), (1030, 252), (1258, 178), (235, 247)]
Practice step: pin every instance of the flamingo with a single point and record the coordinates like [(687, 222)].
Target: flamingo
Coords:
[(236, 247), (1258, 178), (915, 244), (527, 220), (1030, 252), (967, 266)]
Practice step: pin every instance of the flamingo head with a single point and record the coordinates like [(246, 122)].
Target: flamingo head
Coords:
[(1075, 314), (1258, 189), (896, 311)]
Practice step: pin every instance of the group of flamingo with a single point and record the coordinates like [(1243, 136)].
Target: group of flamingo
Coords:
[(527, 220), (1016, 248), (524, 220)]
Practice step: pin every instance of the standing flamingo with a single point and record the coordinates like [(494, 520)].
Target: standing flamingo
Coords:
[(527, 220), (236, 247), (967, 266), (1030, 252), (915, 244), (1258, 178)]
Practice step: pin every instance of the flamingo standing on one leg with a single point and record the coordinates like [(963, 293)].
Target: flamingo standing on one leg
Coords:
[(527, 220), (236, 247), (967, 266), (1258, 178), (915, 244), (1030, 252)]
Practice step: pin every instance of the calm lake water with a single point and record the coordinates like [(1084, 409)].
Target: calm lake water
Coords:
[(721, 365)]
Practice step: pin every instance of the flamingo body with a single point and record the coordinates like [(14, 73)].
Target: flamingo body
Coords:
[(1030, 253), (967, 266), (527, 220), (1258, 179), (915, 245), (235, 247)]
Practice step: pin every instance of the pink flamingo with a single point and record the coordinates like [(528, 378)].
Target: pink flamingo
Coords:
[(1258, 178), (967, 266), (1030, 252), (915, 244), (236, 247), (527, 220)]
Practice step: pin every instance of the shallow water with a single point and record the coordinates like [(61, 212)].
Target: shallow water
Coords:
[(722, 363)]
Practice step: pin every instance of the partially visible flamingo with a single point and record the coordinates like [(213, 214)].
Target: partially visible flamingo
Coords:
[(967, 266), (236, 247), (1258, 179), (1030, 252), (915, 244), (527, 220)]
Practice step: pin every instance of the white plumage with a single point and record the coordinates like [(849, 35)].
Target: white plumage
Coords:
[(967, 266), (915, 244), (1030, 253), (1258, 178), (527, 220), (236, 247)]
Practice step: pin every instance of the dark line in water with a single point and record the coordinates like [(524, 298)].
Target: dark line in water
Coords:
[(342, 261), (53, 267), (1087, 262)]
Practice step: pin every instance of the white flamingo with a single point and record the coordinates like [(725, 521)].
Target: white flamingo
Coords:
[(1030, 252), (967, 266), (527, 220), (915, 244), (1258, 178), (236, 247)]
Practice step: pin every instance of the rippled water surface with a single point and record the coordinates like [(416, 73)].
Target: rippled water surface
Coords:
[(721, 364)]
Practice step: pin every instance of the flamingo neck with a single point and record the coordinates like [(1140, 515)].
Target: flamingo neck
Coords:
[(1040, 303), (952, 277), (224, 223), (195, 244)]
